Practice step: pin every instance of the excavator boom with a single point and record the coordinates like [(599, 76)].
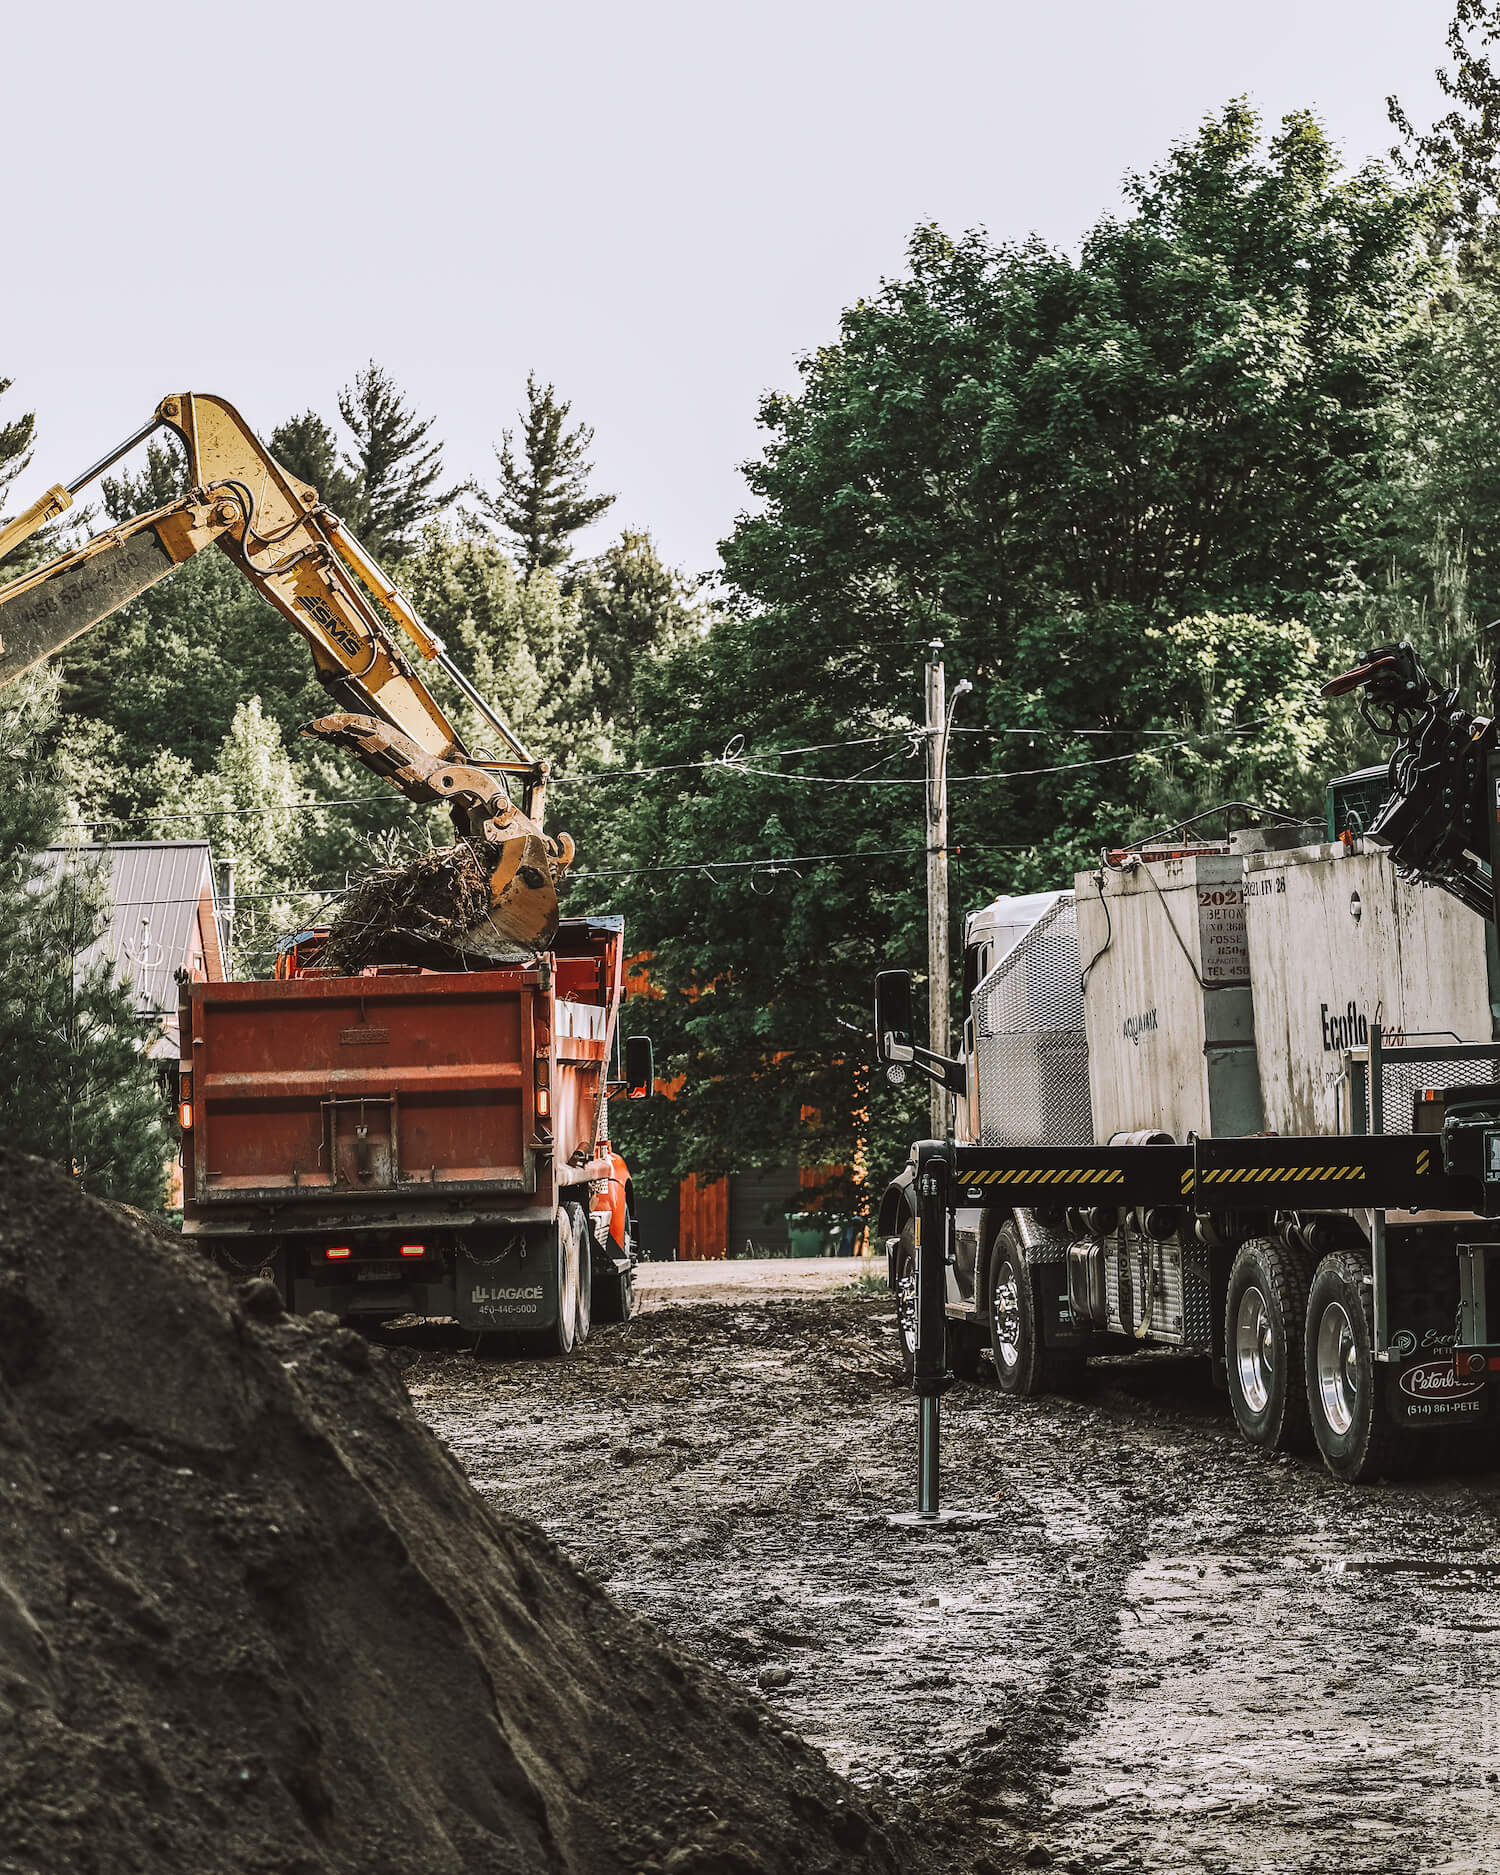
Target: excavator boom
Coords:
[(306, 564)]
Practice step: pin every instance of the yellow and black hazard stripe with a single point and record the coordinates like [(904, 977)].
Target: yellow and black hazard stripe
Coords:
[(1270, 1175), (1047, 1175)]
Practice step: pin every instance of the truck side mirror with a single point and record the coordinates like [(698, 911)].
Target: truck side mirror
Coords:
[(640, 1068), (893, 1018)]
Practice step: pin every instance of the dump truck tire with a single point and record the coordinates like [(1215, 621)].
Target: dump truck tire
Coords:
[(614, 1290), (562, 1337), (1354, 1433), (584, 1313), (1264, 1312)]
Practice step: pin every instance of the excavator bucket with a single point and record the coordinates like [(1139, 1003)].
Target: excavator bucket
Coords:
[(517, 910), (523, 896)]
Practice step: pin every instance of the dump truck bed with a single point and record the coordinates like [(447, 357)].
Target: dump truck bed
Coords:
[(397, 1096)]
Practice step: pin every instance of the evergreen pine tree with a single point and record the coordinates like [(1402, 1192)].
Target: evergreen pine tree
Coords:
[(397, 469), (15, 444), (76, 1085), (306, 447), (543, 496)]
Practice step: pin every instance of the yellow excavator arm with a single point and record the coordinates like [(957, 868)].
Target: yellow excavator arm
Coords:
[(305, 563)]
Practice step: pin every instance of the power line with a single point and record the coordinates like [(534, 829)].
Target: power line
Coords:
[(240, 813), (768, 862), (1001, 774), (734, 761)]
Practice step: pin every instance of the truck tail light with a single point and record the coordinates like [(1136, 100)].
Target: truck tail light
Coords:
[(185, 1116), (543, 1102), (185, 1100), (542, 1090), (413, 1249), (337, 1252)]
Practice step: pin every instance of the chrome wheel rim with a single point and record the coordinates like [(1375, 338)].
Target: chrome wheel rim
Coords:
[(1338, 1368), (906, 1305), (1006, 1313), (1254, 1350)]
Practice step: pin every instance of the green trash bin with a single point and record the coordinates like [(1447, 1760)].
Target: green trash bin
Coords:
[(807, 1234)]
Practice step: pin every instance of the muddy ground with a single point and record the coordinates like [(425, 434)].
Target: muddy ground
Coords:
[(1167, 1652)]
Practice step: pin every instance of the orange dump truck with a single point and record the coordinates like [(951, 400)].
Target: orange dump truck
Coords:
[(418, 1142)]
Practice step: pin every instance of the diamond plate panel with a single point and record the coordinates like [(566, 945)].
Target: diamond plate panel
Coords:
[(1032, 1057)]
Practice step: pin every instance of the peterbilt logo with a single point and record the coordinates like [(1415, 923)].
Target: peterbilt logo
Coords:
[(1437, 1380)]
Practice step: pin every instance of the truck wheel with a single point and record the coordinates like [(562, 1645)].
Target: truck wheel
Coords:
[(1024, 1365), (583, 1233), (965, 1341), (906, 1297), (1353, 1430), (562, 1336), (961, 1341), (1263, 1316), (614, 1290)]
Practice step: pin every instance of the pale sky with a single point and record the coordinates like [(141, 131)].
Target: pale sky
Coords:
[(656, 206)]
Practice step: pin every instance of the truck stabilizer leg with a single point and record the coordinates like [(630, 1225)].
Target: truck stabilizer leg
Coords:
[(930, 1375)]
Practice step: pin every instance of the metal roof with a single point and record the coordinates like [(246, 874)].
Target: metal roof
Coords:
[(155, 887)]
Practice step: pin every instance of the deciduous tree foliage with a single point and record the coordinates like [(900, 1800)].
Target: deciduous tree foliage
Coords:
[(633, 609), (1120, 488), (1461, 150)]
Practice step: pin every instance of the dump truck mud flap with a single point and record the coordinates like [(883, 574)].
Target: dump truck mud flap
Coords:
[(516, 1290)]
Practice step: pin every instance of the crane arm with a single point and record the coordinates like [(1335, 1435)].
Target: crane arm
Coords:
[(1438, 821), (307, 565)]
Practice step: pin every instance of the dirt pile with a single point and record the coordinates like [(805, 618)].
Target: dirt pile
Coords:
[(422, 913), (253, 1618)]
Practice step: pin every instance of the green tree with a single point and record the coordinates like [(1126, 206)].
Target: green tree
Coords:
[(76, 1084), (307, 447), (543, 499), (168, 671), (633, 608), (16, 436), (395, 460), (252, 806), (1462, 149), (522, 643), (1243, 691), (1053, 465)]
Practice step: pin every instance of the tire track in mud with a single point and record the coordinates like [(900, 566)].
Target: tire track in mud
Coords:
[(1167, 1652)]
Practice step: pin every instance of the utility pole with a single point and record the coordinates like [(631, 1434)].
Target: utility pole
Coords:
[(939, 719), (937, 877)]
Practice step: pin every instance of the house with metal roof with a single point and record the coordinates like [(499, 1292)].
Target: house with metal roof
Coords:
[(165, 916)]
